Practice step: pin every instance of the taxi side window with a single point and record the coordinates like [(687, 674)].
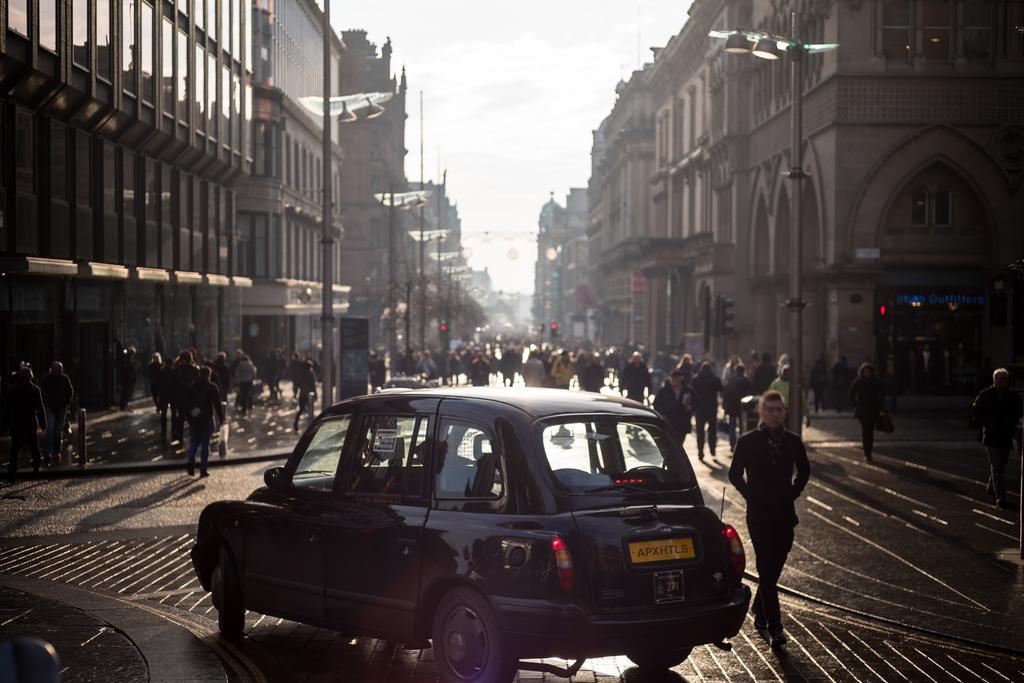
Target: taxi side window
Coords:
[(389, 456), (468, 465), (318, 465)]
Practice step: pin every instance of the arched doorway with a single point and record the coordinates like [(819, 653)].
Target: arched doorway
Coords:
[(930, 299)]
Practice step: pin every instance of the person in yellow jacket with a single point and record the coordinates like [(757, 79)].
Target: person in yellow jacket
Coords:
[(781, 385), (562, 371)]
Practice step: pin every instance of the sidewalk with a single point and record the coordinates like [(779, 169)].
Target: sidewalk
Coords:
[(103, 638), (130, 440)]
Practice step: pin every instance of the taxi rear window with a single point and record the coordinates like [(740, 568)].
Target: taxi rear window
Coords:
[(591, 455)]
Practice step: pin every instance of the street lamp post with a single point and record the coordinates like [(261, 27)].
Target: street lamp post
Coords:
[(327, 238), (769, 46)]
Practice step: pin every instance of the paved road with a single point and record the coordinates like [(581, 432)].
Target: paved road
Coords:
[(155, 572), (908, 539)]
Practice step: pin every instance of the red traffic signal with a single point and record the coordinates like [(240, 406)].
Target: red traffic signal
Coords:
[(554, 326), (443, 327), (881, 310)]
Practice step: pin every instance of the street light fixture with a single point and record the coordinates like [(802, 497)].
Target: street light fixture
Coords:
[(737, 41), (344, 107)]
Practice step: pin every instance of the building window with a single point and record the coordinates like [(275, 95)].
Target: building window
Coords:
[(211, 19), (895, 38), (183, 91), (259, 243), (80, 32), (919, 206), (935, 41), (104, 29), (243, 252), (200, 13), (109, 196), (977, 29), (147, 52), (83, 169), (128, 56), (236, 108), (17, 16), (200, 89), (274, 246), (167, 68), (58, 161), (48, 24), (236, 27), (128, 180), (942, 206), (24, 152), (225, 105), (211, 93)]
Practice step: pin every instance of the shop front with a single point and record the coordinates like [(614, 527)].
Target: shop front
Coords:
[(931, 340)]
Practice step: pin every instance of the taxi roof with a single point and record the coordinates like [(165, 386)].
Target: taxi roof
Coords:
[(535, 402)]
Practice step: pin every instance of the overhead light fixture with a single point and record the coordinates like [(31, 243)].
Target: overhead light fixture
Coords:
[(346, 116), (737, 44), (766, 49), (373, 110)]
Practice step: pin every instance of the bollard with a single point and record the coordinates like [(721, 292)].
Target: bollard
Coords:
[(222, 443), (81, 438), (311, 398)]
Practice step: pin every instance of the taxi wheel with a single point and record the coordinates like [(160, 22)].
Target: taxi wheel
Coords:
[(659, 660), (467, 644), (227, 595)]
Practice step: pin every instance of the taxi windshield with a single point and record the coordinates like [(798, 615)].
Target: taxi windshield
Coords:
[(593, 455)]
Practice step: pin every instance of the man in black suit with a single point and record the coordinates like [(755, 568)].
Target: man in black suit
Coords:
[(763, 472)]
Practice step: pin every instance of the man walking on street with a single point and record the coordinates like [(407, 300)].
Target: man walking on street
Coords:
[(706, 387), (23, 415), (57, 395), (635, 378), (997, 410), (763, 472), (674, 402), (735, 390), (868, 398), (305, 385), (204, 402)]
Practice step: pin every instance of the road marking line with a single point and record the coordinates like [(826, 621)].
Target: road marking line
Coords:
[(960, 664), (17, 617), (103, 629), (815, 501), (851, 520), (809, 656), (996, 531), (923, 672), (944, 669), (997, 673), (877, 654), (891, 492), (896, 557), (850, 650), (995, 517), (763, 658), (717, 663)]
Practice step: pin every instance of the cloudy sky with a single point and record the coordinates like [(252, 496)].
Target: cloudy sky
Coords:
[(511, 94)]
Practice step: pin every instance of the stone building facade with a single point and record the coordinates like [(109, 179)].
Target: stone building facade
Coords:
[(912, 209)]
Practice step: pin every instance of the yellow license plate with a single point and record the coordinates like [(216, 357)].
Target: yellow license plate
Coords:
[(662, 551)]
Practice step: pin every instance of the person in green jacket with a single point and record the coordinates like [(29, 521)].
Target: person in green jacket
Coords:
[(781, 385)]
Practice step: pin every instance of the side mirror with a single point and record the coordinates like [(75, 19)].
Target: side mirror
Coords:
[(273, 477)]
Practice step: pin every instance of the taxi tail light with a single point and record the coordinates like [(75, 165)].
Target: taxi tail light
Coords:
[(736, 554), (563, 562)]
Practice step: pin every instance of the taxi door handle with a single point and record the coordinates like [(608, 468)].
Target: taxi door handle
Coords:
[(406, 546)]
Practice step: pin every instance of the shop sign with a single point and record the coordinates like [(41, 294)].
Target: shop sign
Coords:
[(950, 300), (868, 253)]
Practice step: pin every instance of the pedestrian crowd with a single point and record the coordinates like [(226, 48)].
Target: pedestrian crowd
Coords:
[(188, 389)]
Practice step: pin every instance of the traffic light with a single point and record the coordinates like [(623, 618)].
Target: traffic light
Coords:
[(443, 326), (882, 310), (554, 329), (726, 316)]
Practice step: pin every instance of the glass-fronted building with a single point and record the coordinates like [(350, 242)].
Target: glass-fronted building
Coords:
[(124, 130), (280, 205)]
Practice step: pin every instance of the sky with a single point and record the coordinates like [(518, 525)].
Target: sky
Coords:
[(512, 93)]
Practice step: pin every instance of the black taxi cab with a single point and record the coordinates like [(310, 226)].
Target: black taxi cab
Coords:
[(496, 525)]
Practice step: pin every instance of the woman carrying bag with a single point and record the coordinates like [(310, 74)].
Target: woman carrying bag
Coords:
[(867, 397)]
